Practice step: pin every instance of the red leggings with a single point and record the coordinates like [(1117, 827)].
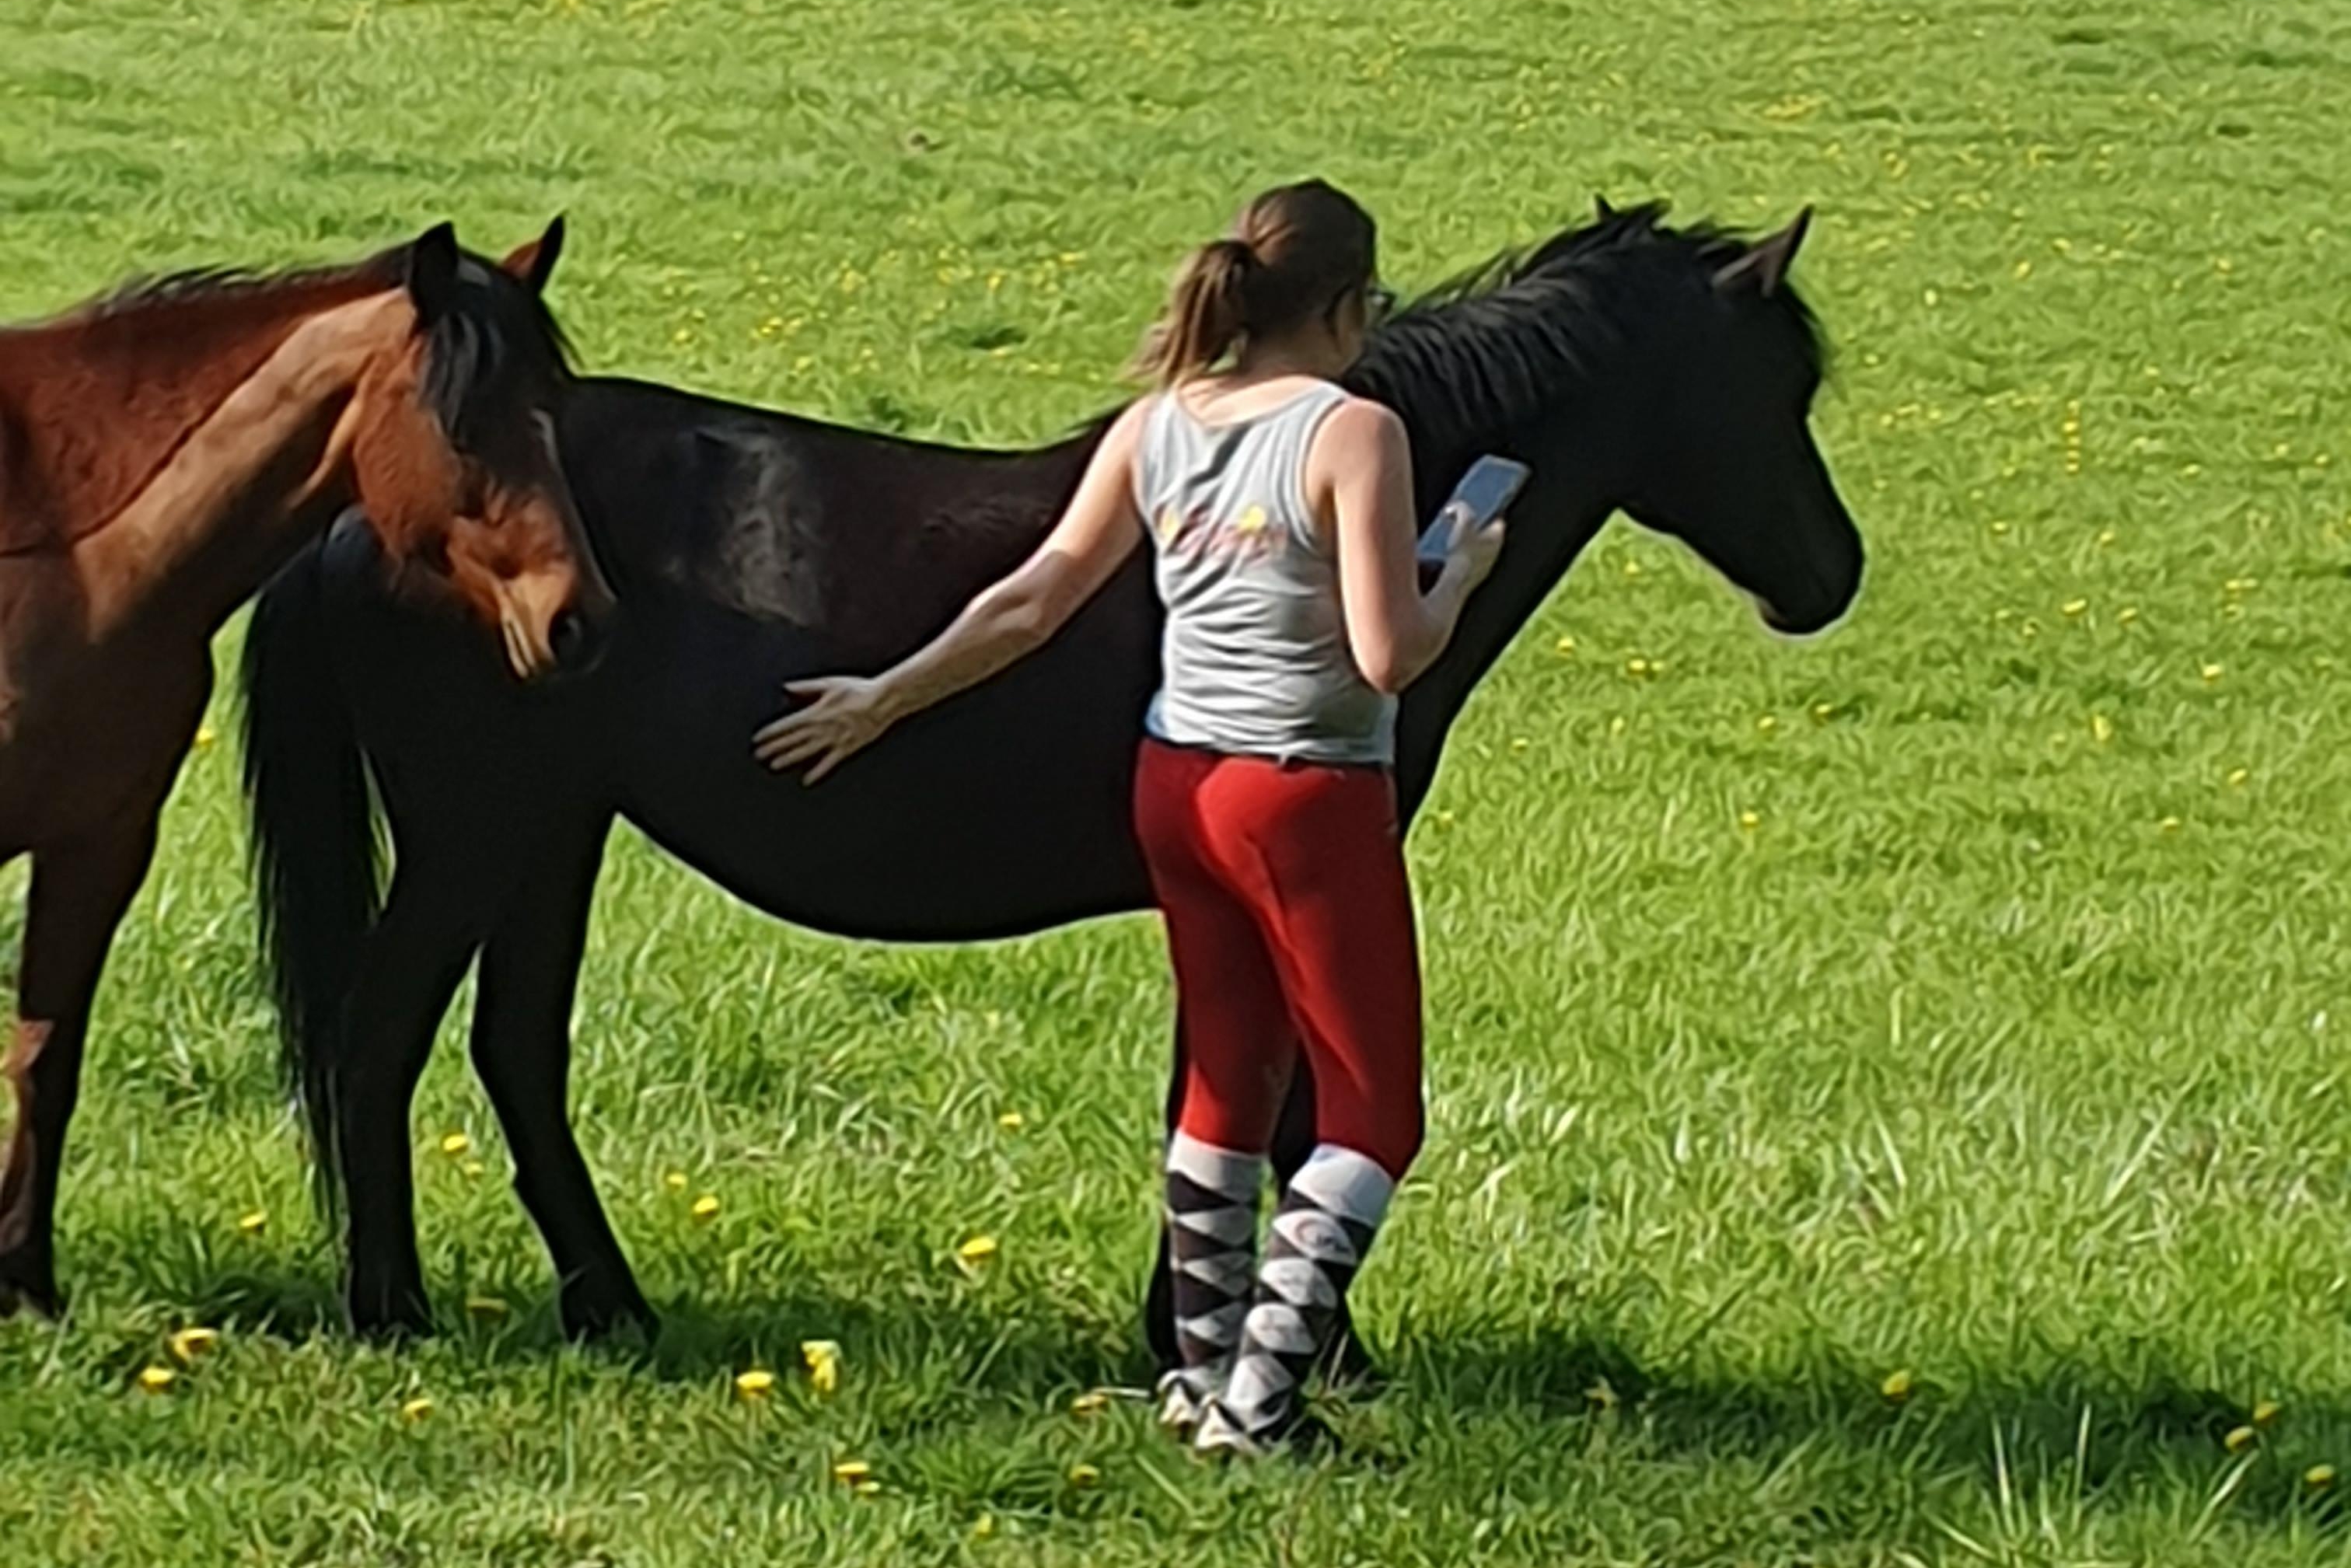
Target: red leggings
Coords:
[(1288, 922)]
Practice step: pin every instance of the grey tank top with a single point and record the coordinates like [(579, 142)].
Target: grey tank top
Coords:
[(1255, 658)]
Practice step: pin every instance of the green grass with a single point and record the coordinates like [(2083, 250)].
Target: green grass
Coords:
[(2003, 1049)]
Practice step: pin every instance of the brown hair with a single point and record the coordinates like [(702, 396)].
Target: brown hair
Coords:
[(1293, 253)]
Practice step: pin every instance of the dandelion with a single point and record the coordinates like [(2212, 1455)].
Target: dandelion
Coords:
[(2210, 672), (978, 1249), (1822, 711), (2074, 607), (1897, 1385), (2169, 825), (454, 1144), (675, 1181), (1519, 745), (1767, 724), (1632, 568), (2318, 1478), (2126, 615), (1564, 645), (253, 1223), (2106, 538), (705, 1207), (2265, 1411), (205, 735), (1636, 666), (1999, 528), (157, 1379), (414, 1410), (984, 1526), (190, 1343), (2102, 728), (753, 1384), (1748, 821), (849, 1472), (2236, 775), (1092, 1401), (1084, 1476), (1012, 1120), (472, 1169), (2240, 1439), (822, 1358)]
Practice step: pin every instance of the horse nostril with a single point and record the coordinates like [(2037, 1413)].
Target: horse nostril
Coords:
[(571, 639)]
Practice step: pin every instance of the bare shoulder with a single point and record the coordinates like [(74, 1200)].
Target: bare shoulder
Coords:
[(1360, 432)]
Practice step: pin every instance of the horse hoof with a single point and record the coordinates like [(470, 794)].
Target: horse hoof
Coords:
[(31, 1290), (391, 1317), (608, 1316)]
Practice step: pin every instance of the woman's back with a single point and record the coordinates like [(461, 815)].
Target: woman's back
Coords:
[(1256, 658)]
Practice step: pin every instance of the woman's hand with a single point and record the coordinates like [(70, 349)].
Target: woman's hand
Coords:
[(1473, 547), (839, 716)]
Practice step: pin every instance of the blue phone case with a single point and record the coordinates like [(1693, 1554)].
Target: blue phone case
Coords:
[(1490, 484)]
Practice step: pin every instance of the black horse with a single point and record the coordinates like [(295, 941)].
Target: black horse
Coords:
[(1668, 372)]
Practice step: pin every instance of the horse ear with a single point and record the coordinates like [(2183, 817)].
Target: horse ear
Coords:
[(432, 272), (533, 262), (1765, 265)]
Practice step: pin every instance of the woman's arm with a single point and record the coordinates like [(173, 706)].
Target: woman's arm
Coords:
[(842, 715), (1362, 461)]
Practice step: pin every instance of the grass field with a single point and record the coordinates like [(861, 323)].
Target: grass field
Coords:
[(1996, 1058)]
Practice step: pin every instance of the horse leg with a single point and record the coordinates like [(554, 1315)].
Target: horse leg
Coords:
[(407, 973), (78, 894), (522, 1052)]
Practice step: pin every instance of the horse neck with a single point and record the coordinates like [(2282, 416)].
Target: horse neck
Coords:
[(178, 479), (1576, 477)]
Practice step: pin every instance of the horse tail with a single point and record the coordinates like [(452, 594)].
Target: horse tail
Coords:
[(317, 854)]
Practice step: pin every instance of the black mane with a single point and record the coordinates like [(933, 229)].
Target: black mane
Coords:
[(496, 326), (1495, 346)]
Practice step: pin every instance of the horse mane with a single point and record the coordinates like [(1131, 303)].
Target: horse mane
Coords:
[(1496, 345), (492, 319)]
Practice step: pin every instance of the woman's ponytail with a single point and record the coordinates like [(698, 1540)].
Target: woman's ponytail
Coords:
[(1293, 254), (1208, 312)]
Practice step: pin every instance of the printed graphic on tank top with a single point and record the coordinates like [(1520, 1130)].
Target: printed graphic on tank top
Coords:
[(1255, 658)]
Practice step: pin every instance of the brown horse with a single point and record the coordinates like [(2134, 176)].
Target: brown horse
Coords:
[(162, 453)]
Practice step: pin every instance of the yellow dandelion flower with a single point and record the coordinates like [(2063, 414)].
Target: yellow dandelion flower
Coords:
[(1090, 1403), (416, 1409), (823, 1357), (865, 1488), (1564, 645), (472, 1168), (1519, 744), (1822, 710), (157, 1379), (1632, 568), (253, 1223), (2210, 672), (675, 1181), (984, 1526), (1897, 1385), (1615, 728), (2318, 1478), (190, 1343), (205, 735), (1748, 821), (1012, 1120), (1999, 528), (705, 1207), (2102, 728), (1767, 724), (2024, 270), (2265, 1411), (2169, 825), (2074, 606), (849, 1472), (487, 1309), (2240, 1439), (2126, 614), (2236, 775), (1636, 666), (2106, 538), (454, 1144), (978, 1249), (1084, 1476), (753, 1384)]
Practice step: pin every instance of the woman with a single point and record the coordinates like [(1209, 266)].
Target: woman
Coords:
[(1280, 511)]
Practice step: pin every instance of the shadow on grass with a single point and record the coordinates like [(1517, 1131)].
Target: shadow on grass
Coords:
[(2061, 1429), (2064, 1430)]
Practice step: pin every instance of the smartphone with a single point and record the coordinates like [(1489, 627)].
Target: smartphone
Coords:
[(1489, 487)]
